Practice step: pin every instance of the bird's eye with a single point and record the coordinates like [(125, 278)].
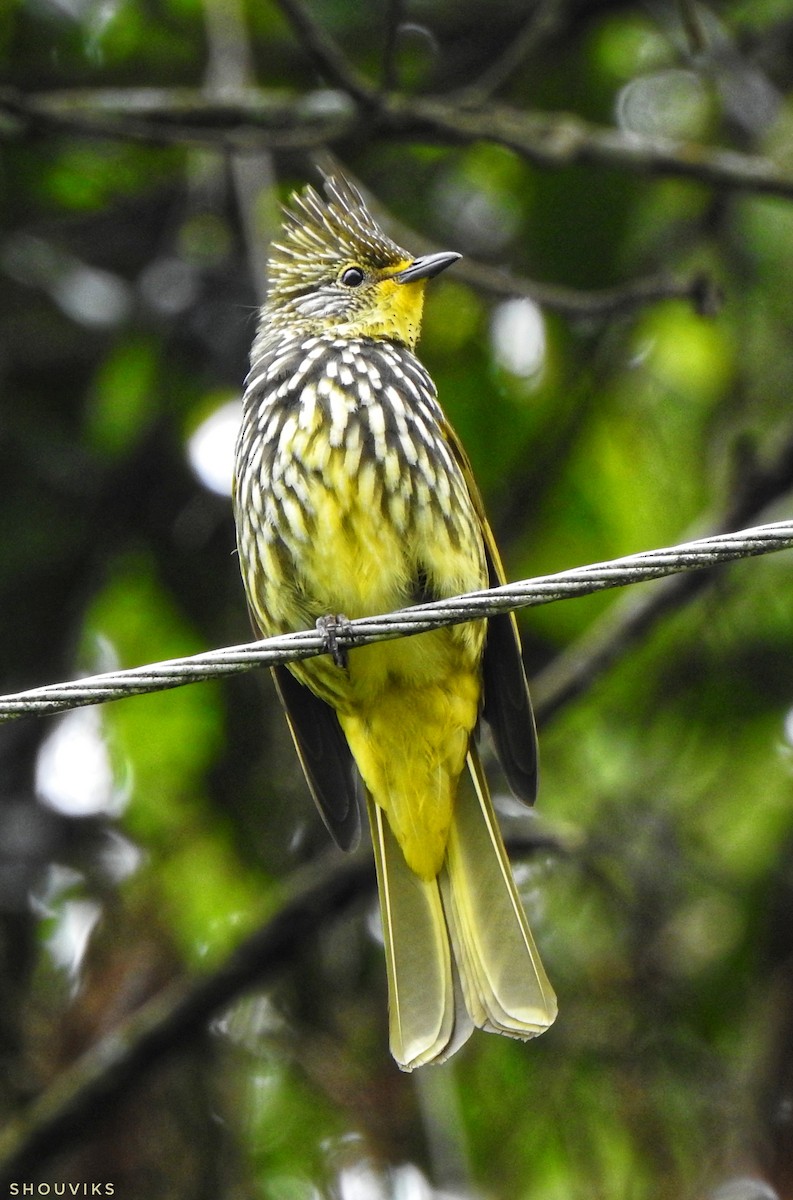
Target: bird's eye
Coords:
[(352, 277)]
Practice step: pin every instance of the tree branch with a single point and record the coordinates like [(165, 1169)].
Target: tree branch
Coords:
[(698, 289), (542, 23), (571, 673), (693, 28), (168, 1022), (249, 118), (393, 21), (325, 52), (257, 118), (565, 140)]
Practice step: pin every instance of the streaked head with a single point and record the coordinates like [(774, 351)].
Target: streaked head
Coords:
[(334, 269)]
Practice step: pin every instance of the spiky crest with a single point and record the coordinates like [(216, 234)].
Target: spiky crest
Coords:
[(320, 236)]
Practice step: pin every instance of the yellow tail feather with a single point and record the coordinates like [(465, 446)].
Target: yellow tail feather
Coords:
[(427, 1020), (459, 951), (503, 979)]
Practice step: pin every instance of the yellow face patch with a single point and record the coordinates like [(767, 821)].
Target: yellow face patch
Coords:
[(394, 310)]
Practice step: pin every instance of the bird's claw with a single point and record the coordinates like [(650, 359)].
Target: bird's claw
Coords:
[(331, 626)]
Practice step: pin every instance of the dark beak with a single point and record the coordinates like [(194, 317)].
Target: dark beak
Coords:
[(426, 267)]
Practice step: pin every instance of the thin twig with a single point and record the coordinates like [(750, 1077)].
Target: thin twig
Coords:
[(607, 639), (542, 23), (393, 21), (580, 581), (325, 52), (693, 27), (698, 289)]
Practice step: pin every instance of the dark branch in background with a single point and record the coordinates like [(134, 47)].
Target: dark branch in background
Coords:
[(230, 68), (106, 1074), (693, 28), (259, 118), (250, 119), (545, 19), (81, 1095), (608, 639), (565, 140), (393, 21), (327, 56), (698, 289)]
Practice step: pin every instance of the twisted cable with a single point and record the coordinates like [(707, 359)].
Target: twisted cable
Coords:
[(563, 585)]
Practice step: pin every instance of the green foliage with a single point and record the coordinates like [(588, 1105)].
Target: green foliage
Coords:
[(123, 398), (163, 745), (659, 886)]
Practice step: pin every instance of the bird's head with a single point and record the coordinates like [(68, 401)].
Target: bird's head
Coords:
[(334, 270)]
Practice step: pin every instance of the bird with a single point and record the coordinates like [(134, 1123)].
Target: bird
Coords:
[(353, 496)]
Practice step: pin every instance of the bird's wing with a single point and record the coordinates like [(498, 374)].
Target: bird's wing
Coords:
[(507, 704), (325, 757)]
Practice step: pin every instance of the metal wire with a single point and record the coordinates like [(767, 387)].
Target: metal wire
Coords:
[(580, 581)]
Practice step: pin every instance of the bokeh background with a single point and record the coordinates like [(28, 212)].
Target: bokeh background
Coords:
[(616, 352)]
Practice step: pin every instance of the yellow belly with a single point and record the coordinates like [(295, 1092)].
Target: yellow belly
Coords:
[(407, 707), (410, 744)]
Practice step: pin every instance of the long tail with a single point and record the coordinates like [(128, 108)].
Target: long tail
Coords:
[(427, 1017), (459, 951)]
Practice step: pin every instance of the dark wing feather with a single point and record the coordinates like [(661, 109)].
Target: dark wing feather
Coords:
[(507, 704), (324, 756), (507, 708)]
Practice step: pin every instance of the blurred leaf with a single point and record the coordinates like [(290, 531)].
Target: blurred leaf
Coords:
[(164, 744), (123, 398)]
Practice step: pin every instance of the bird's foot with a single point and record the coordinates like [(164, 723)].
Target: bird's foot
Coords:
[(331, 626)]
